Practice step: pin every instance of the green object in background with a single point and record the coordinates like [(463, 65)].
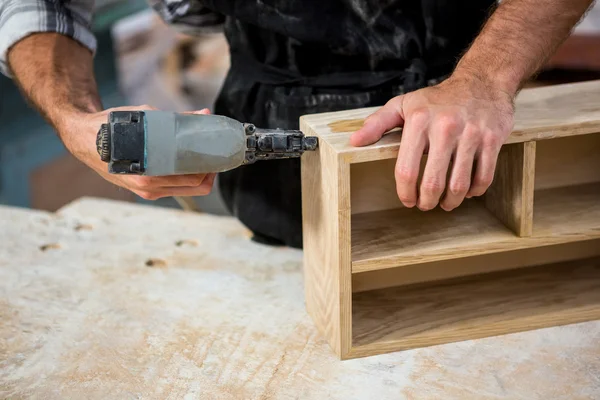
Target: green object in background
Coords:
[(109, 12)]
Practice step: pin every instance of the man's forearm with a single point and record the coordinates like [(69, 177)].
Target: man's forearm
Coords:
[(55, 73), (518, 38)]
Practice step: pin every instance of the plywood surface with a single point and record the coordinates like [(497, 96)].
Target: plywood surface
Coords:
[(541, 113), (399, 237), (567, 161), (214, 316), (406, 317)]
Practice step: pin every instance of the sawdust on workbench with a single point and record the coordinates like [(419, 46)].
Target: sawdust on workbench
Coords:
[(223, 319)]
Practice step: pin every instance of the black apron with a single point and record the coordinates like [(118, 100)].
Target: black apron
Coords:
[(291, 58)]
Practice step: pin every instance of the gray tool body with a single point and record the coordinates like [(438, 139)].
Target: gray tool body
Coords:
[(161, 143)]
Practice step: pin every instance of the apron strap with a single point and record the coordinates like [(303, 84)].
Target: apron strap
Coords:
[(412, 78)]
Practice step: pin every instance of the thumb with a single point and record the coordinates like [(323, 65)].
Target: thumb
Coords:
[(377, 124)]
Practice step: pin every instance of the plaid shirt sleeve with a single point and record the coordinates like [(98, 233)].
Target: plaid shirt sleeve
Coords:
[(20, 18)]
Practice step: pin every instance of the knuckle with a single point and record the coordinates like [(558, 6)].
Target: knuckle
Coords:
[(374, 120), (406, 175), (486, 181), (482, 184), (492, 140), (197, 180), (432, 187), (394, 103), (406, 199), (147, 195), (507, 123), (472, 132), (448, 123), (459, 188), (143, 181), (420, 117), (370, 118)]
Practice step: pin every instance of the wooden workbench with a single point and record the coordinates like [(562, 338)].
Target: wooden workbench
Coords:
[(109, 300)]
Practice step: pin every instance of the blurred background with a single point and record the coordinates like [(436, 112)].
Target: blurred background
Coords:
[(142, 61)]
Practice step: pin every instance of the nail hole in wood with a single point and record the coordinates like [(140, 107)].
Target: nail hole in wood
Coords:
[(156, 262), (186, 242), (49, 246)]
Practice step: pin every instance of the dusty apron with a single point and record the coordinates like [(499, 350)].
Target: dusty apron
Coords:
[(290, 58)]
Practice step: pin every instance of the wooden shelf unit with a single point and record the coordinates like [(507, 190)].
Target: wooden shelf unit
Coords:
[(380, 277)]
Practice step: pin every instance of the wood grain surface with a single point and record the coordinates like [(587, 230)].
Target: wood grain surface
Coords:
[(222, 318), (567, 161), (541, 113), (326, 235), (492, 304), (447, 269), (393, 238), (510, 196)]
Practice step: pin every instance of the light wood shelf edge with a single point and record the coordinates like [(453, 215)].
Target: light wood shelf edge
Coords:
[(577, 222), (326, 236), (541, 113)]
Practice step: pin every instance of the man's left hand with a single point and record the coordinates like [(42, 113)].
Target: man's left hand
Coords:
[(461, 124)]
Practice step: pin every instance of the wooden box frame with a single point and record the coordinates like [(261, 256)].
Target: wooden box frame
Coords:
[(382, 278)]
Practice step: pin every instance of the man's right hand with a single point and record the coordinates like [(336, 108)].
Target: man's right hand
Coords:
[(55, 73), (79, 136)]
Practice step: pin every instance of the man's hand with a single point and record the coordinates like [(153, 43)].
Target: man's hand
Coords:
[(55, 73), (461, 124), (469, 116), (79, 136)]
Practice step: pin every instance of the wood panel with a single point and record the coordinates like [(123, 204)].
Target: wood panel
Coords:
[(510, 197), (468, 308), (447, 269), (326, 235), (393, 238), (373, 186), (567, 161), (541, 113)]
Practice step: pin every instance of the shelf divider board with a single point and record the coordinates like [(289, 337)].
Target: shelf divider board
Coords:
[(326, 240), (498, 303), (510, 197)]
